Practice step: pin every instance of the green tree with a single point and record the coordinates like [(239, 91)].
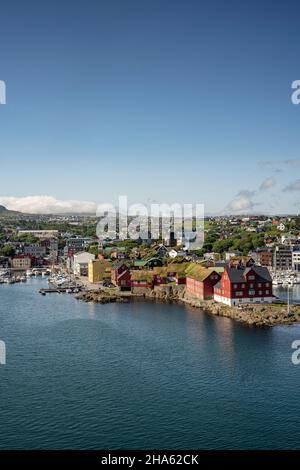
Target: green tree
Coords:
[(7, 250)]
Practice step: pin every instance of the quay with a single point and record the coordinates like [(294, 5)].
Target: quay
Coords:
[(65, 289)]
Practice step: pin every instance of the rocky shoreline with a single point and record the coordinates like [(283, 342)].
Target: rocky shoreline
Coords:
[(252, 315)]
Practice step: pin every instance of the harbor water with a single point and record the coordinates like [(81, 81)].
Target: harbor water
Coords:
[(141, 375)]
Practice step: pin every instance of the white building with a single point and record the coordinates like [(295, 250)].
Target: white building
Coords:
[(281, 227), (296, 260), (232, 254), (81, 262), (212, 256), (173, 253)]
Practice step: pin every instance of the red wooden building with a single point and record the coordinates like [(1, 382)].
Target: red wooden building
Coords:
[(200, 282), (120, 275), (246, 285)]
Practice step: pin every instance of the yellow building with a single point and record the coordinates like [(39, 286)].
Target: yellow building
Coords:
[(99, 270)]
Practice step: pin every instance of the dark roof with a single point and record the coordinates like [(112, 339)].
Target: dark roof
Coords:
[(263, 273), (238, 275)]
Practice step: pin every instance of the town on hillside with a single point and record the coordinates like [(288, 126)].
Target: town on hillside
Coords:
[(241, 260)]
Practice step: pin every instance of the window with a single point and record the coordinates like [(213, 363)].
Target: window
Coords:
[(239, 293), (267, 284), (260, 292), (243, 286), (259, 284), (251, 286), (251, 292), (251, 278), (235, 286), (267, 292)]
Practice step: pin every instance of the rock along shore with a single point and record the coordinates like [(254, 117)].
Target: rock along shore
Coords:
[(252, 315)]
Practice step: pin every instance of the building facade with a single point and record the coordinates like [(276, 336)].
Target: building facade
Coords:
[(244, 286), (99, 270), (265, 257), (200, 282), (282, 260), (120, 275), (81, 262), (296, 259), (21, 262), (35, 250)]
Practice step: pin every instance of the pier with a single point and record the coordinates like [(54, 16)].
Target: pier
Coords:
[(53, 290)]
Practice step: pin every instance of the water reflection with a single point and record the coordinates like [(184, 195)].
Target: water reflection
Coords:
[(91, 310), (294, 293)]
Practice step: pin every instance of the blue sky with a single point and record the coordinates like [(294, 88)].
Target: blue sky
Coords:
[(165, 100)]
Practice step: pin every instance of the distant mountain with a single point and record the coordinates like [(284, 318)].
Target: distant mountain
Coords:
[(6, 213)]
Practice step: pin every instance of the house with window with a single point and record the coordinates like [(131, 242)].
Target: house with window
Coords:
[(21, 262), (120, 275), (172, 273), (241, 261), (244, 286), (200, 281), (265, 256), (142, 279)]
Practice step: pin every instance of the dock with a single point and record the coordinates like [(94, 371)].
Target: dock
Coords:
[(59, 290)]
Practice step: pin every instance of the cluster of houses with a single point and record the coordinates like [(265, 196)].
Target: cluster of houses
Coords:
[(233, 282), (284, 256), (43, 252)]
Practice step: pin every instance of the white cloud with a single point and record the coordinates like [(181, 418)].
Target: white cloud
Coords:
[(267, 184), (47, 205), (242, 202)]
